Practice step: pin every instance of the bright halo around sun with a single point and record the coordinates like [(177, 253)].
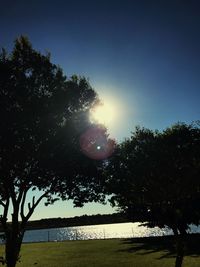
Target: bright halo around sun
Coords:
[(102, 114)]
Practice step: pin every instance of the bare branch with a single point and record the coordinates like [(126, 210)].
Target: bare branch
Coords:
[(2, 203), (33, 201), (20, 195), (3, 217), (5, 204), (23, 203), (6, 209), (34, 205)]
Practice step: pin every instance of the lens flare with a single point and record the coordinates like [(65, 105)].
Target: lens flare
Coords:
[(95, 143)]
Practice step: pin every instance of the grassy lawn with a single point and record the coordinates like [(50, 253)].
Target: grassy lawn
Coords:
[(148, 252)]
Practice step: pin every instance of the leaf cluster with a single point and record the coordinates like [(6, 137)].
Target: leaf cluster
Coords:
[(155, 176), (42, 115)]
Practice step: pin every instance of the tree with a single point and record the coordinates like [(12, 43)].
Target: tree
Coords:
[(43, 114), (155, 178)]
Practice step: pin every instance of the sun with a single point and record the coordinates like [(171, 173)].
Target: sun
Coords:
[(102, 113)]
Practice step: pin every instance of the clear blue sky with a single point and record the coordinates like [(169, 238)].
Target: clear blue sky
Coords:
[(142, 55)]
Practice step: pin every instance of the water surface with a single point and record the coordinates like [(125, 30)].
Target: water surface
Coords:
[(103, 231)]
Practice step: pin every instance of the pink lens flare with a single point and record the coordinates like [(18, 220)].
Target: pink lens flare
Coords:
[(95, 143)]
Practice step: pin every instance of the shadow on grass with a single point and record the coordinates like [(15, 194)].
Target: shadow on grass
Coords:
[(165, 245)]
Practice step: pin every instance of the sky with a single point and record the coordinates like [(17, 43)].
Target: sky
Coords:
[(142, 58)]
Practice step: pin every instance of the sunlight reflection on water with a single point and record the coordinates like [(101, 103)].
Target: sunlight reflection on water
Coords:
[(103, 231)]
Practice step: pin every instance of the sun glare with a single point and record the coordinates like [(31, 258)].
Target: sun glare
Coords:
[(102, 114)]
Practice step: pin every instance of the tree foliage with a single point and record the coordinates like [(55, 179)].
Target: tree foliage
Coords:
[(43, 114), (155, 176)]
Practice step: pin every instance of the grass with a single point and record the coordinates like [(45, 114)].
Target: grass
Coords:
[(148, 252)]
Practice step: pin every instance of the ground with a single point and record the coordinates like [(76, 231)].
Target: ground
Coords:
[(148, 252)]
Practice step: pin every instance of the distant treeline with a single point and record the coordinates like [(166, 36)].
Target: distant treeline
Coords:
[(77, 221)]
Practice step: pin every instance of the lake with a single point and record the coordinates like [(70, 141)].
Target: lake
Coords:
[(102, 231)]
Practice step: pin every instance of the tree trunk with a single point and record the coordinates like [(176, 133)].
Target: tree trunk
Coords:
[(175, 231), (180, 251), (12, 247), (180, 246), (14, 231)]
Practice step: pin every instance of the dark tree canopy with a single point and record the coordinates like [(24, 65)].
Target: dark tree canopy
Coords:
[(43, 114), (155, 176)]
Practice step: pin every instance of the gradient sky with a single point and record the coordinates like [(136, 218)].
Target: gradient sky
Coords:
[(141, 56)]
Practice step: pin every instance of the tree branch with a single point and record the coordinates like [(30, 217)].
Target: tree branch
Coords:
[(33, 206), (6, 209), (12, 193), (20, 195), (23, 203), (2, 203), (3, 217)]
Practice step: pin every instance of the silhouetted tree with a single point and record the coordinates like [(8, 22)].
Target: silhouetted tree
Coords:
[(155, 178), (42, 116)]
